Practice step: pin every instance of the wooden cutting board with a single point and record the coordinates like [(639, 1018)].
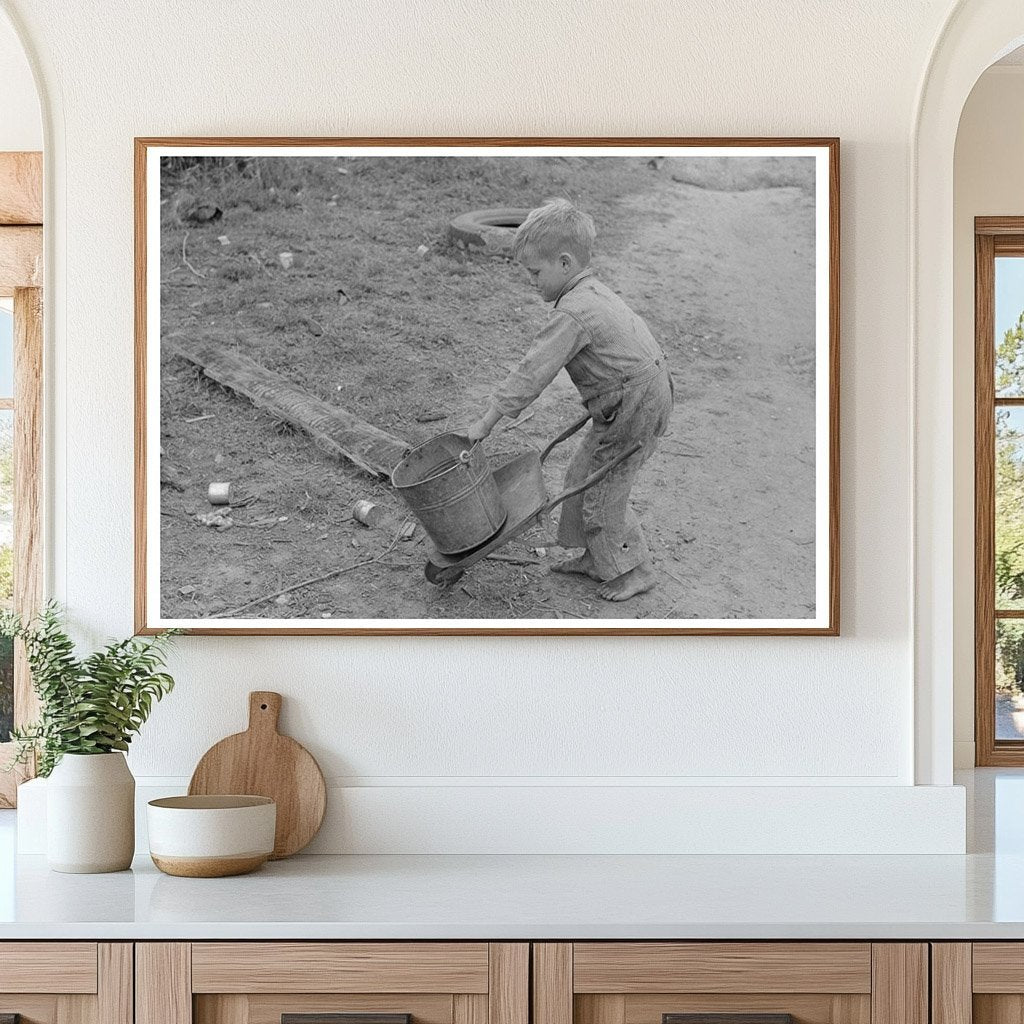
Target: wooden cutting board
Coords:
[(262, 762)]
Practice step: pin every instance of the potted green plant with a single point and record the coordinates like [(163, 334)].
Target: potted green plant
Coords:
[(89, 710)]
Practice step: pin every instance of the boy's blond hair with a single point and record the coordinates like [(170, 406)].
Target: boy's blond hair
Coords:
[(555, 227)]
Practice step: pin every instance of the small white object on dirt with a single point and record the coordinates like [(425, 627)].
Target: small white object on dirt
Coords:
[(186, 591), (218, 459), (408, 532), (223, 239), (218, 520), (286, 259), (367, 513), (422, 250), (219, 493), (541, 552), (282, 599), (282, 519)]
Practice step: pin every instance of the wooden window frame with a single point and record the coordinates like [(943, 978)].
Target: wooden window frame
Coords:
[(21, 278)]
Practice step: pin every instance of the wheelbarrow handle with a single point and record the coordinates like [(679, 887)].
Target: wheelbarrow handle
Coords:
[(593, 478), (564, 436)]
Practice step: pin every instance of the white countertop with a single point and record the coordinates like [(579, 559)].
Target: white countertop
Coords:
[(517, 897), (976, 896)]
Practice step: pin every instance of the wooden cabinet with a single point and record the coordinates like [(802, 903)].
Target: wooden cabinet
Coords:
[(66, 982), (759, 982), (307, 982), (499, 983), (978, 982)]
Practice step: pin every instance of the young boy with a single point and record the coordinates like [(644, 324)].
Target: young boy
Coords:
[(623, 379)]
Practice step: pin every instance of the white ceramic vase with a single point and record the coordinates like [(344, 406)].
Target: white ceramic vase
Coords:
[(90, 814)]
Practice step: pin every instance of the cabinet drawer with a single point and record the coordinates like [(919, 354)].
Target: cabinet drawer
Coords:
[(66, 982), (633, 967), (65, 967), (340, 967), (332, 983), (730, 983)]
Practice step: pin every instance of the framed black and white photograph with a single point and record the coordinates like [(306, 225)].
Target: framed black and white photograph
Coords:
[(499, 386)]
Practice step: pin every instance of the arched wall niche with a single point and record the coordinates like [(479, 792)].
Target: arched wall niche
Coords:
[(976, 34)]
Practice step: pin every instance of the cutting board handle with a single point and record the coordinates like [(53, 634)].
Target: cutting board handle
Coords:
[(264, 710)]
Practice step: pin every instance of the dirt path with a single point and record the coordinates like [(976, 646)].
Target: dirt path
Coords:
[(727, 502)]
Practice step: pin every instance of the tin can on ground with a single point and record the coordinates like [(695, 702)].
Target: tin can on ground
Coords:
[(219, 493), (367, 513)]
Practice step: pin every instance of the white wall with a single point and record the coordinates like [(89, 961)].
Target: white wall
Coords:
[(21, 127), (988, 181), (431, 715)]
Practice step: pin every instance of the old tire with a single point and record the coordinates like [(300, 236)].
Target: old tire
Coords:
[(490, 230)]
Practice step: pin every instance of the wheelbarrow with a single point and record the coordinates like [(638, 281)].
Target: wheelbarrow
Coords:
[(521, 487)]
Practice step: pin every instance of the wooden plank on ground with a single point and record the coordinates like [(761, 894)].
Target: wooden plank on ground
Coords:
[(21, 188), (333, 429)]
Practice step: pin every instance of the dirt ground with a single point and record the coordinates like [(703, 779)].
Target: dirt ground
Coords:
[(413, 340)]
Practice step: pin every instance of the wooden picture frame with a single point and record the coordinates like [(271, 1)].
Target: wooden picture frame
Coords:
[(242, 263)]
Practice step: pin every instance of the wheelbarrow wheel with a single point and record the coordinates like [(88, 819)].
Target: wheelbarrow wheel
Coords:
[(440, 576)]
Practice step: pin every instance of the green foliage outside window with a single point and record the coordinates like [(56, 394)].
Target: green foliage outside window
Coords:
[(1009, 511)]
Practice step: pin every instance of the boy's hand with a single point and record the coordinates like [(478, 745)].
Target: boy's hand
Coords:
[(478, 430)]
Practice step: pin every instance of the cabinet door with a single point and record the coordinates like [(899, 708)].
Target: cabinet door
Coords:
[(66, 983), (730, 983), (980, 982), (332, 983)]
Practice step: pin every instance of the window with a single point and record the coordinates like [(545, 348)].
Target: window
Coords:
[(21, 320), (999, 490)]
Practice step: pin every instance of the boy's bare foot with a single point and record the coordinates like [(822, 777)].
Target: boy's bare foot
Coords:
[(583, 565), (637, 581)]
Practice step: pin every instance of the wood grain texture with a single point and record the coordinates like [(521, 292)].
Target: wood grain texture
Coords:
[(28, 484), (262, 762), (76, 1010), (115, 997), (304, 967), (468, 1009), (21, 259), (508, 994), (163, 983), (604, 1009), (998, 967), (225, 1009), (951, 983), (346, 1018), (552, 983), (141, 361), (145, 615), (31, 1009), (899, 991), (998, 1009), (268, 1009), (21, 188), (635, 967), (984, 502), (999, 226), (728, 1018), (806, 1008), (65, 967)]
